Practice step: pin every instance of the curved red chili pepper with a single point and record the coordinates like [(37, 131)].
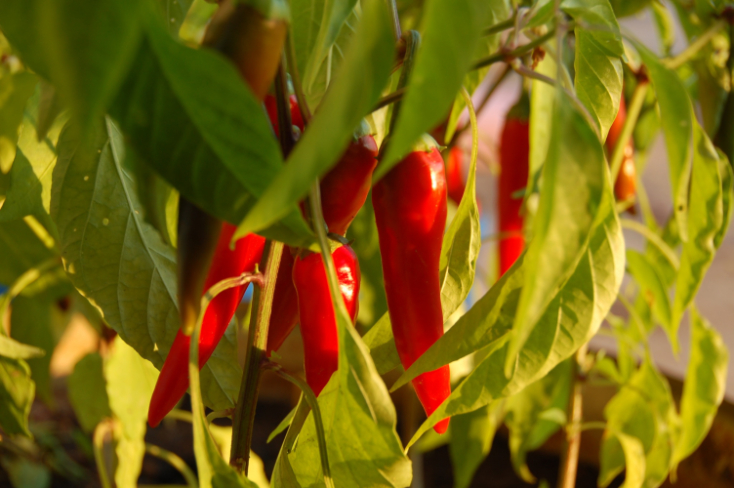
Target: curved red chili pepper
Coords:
[(227, 263), (514, 165), (316, 310), (410, 210), (285, 304)]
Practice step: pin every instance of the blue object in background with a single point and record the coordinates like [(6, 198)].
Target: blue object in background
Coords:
[(3, 289), (247, 297)]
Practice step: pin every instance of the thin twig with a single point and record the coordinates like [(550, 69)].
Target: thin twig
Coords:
[(678, 60), (570, 455), (175, 461), (633, 113), (290, 55), (393, 7), (389, 98), (313, 404), (515, 53)]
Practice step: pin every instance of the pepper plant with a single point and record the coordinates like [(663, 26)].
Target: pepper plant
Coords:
[(147, 173)]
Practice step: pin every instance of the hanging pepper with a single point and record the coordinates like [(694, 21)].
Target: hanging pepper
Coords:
[(625, 186), (254, 44), (410, 210), (514, 165), (227, 263), (344, 190), (316, 310)]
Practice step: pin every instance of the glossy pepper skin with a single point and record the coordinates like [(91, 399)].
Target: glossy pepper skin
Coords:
[(410, 210), (285, 304), (316, 310), (514, 165), (227, 263), (454, 179), (625, 186), (344, 189)]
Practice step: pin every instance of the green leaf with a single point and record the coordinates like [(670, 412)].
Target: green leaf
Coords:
[(114, 258), (88, 392), (572, 317), (174, 12), (130, 383), (173, 120), (633, 455), (542, 100), (703, 390), (471, 440), (12, 349), (30, 323), (524, 415), (573, 178), (26, 473), (704, 225), (21, 249), (352, 94), (624, 8), (676, 117), (119, 262), (380, 341), (500, 10), (451, 33), (598, 79), (15, 90), (652, 287), (84, 48), (333, 23), (16, 396), (643, 410), (597, 65)]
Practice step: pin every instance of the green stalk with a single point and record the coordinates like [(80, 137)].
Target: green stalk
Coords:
[(175, 461), (314, 406), (515, 53), (633, 113), (570, 455), (693, 49), (257, 340)]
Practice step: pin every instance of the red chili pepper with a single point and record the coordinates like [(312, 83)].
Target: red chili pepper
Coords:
[(285, 304), (514, 164), (410, 210), (625, 186), (227, 263), (316, 310), (454, 179), (271, 105), (344, 189)]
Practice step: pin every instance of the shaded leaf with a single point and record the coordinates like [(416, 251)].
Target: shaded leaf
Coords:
[(30, 323), (15, 90), (471, 440), (451, 32), (16, 396), (88, 392), (354, 91)]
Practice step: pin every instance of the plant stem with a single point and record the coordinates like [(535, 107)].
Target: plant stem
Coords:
[(98, 441), (481, 105), (500, 26), (314, 406), (393, 7), (175, 461), (515, 53), (290, 54), (389, 98), (257, 341), (654, 239), (633, 113), (570, 455), (678, 60)]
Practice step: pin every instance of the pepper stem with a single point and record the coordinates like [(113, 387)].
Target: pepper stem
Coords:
[(257, 340)]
